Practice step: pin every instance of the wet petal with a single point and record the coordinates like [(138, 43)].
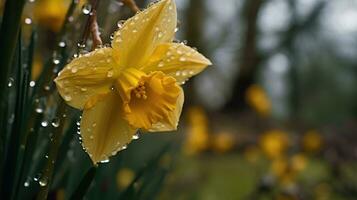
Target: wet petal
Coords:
[(86, 77), (139, 36), (176, 60), (174, 117), (104, 132)]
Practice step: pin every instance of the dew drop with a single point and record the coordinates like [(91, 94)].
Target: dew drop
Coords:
[(56, 61), (62, 44), (32, 83), (43, 182), (120, 23), (87, 9), (10, 83), (161, 64), (136, 136), (39, 110), (110, 73), (105, 161), (26, 183), (67, 98), (37, 177), (81, 45), (74, 70), (44, 123), (55, 122), (135, 31), (28, 21), (160, 35), (182, 59), (46, 88)]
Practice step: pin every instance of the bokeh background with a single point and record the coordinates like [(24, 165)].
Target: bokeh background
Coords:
[(274, 117)]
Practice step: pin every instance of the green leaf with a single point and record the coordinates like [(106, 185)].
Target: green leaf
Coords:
[(84, 184)]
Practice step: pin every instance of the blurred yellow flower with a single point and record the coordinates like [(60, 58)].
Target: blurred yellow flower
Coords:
[(51, 13), (197, 138), (252, 154), (312, 141), (279, 166), (124, 177), (223, 142), (134, 84), (298, 162), (257, 98), (274, 143)]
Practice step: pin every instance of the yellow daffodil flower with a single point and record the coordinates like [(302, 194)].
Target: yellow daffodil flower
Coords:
[(274, 143), (197, 138), (134, 84), (258, 99), (312, 141), (223, 142), (124, 177)]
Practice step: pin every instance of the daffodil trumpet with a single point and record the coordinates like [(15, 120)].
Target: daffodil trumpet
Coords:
[(134, 84)]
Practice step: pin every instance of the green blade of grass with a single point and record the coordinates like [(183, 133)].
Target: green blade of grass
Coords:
[(10, 169), (8, 38), (83, 186)]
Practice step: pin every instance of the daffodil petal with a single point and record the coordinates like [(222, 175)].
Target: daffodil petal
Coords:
[(174, 117), (86, 76), (176, 60), (104, 132), (140, 35)]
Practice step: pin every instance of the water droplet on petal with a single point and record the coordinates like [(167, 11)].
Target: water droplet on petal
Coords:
[(182, 59), (105, 161), (136, 136), (110, 73), (67, 98), (120, 23), (74, 70)]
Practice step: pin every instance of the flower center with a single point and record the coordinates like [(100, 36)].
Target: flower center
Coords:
[(139, 92), (147, 98)]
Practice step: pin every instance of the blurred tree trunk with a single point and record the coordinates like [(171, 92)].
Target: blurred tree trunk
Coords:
[(194, 24), (249, 59)]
